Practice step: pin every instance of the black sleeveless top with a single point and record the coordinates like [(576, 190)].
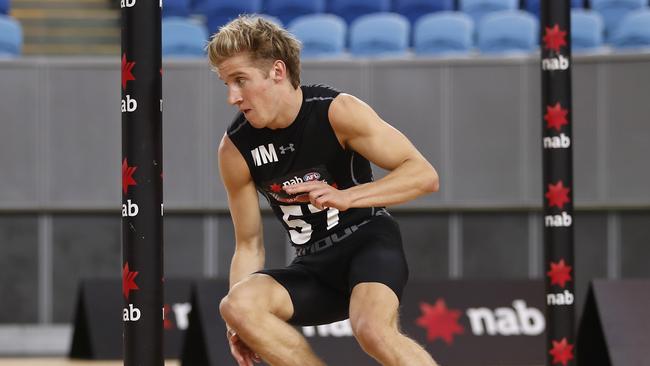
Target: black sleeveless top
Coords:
[(306, 150)]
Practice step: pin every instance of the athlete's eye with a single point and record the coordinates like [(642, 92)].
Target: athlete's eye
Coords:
[(240, 81)]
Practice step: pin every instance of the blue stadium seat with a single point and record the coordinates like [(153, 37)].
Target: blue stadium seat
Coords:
[(634, 31), (176, 8), (508, 32), (287, 10), (352, 9), (445, 32), (613, 11), (182, 37), (414, 9), (477, 8), (11, 37), (587, 29), (320, 34), (4, 7), (533, 6), (379, 34), (220, 12)]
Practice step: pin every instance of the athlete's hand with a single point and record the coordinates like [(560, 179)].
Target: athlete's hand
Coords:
[(240, 351), (321, 194)]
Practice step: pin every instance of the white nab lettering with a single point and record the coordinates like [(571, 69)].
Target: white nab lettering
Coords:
[(131, 314), (563, 220), (130, 209), (557, 142), (128, 3), (264, 155), (129, 105), (337, 329), (505, 321), (565, 298), (555, 63)]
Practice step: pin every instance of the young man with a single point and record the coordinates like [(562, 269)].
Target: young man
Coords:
[(307, 149)]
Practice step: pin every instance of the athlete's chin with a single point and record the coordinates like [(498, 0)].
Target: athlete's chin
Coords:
[(255, 122)]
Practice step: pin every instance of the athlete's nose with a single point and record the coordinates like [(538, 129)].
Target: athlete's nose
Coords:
[(234, 96)]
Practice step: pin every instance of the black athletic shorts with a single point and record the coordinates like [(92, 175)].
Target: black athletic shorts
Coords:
[(320, 284)]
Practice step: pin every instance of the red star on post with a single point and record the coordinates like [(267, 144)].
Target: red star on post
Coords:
[(562, 352), (557, 195), (167, 323), (555, 116), (128, 281), (554, 38), (127, 176), (439, 321), (559, 273), (127, 67)]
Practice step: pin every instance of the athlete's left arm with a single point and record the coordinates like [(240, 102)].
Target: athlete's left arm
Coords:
[(358, 127)]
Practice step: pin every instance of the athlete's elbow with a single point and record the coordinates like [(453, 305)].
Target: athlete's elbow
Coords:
[(431, 181)]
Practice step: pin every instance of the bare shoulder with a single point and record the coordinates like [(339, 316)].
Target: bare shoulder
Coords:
[(232, 166), (351, 116)]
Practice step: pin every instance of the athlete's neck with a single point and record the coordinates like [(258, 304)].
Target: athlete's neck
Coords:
[(288, 109)]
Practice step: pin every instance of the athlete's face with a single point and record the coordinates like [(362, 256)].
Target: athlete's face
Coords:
[(250, 88)]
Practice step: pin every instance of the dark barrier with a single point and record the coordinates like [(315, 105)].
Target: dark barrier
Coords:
[(459, 322), (557, 180), (205, 342), (615, 324), (97, 327)]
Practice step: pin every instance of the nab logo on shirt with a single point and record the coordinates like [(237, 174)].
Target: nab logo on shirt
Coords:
[(264, 155)]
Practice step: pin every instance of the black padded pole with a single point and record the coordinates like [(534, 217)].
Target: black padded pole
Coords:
[(557, 142), (142, 245)]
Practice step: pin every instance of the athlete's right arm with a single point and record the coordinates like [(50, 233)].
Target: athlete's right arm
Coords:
[(244, 210)]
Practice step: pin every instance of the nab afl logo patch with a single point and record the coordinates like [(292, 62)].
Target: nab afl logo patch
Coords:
[(311, 176)]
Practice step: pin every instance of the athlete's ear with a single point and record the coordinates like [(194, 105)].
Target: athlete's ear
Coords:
[(278, 70)]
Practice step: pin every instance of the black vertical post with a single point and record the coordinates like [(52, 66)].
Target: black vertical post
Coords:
[(142, 246), (557, 141)]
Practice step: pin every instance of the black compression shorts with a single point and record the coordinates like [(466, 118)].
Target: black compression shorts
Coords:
[(320, 284)]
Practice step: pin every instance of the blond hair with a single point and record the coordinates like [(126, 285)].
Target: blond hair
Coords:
[(263, 40)]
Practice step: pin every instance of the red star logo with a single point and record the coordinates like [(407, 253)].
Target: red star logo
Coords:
[(557, 195), (276, 187), (559, 274), (439, 321), (127, 67), (167, 323), (555, 117), (554, 38), (128, 281), (127, 176), (562, 352)]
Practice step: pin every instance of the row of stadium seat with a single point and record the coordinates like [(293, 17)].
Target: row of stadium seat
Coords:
[(383, 34), (218, 12), (439, 33)]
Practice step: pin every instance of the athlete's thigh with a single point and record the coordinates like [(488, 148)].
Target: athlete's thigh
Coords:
[(380, 257), (313, 302), (374, 303)]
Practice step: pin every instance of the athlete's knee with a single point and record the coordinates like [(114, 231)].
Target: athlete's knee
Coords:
[(373, 335), (239, 305)]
